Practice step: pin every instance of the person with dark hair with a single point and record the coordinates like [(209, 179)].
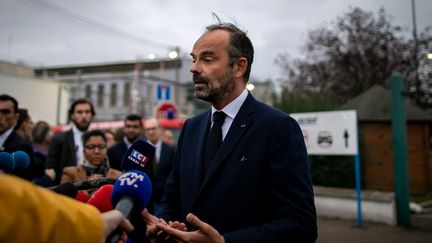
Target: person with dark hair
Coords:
[(10, 140), (95, 163), (66, 148), (132, 131), (24, 124), (240, 172)]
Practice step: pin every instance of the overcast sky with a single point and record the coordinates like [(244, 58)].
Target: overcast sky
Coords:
[(34, 32)]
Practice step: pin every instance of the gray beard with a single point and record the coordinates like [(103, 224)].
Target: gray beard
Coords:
[(216, 95)]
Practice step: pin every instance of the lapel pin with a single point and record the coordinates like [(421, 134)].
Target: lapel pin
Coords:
[(243, 125), (243, 159)]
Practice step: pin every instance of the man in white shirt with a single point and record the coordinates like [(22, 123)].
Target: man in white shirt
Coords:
[(66, 148)]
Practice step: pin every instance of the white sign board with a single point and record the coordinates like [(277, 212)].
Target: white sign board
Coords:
[(329, 133)]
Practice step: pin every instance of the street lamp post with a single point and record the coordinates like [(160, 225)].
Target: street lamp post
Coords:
[(416, 59)]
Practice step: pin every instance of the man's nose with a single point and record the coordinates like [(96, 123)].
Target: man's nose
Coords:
[(195, 68)]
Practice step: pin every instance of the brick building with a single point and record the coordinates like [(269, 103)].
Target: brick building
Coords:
[(375, 134)]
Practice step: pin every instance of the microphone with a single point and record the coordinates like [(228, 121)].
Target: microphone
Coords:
[(82, 196), (7, 164), (66, 189), (21, 159), (132, 191), (138, 155), (101, 198), (90, 184)]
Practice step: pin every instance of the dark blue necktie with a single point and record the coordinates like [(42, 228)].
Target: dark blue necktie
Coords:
[(214, 139)]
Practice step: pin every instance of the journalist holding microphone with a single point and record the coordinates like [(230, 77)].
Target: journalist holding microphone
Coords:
[(33, 214), (240, 172)]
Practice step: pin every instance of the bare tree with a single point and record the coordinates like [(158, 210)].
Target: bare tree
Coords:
[(354, 52)]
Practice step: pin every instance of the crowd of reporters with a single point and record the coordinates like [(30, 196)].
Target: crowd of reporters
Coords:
[(67, 160)]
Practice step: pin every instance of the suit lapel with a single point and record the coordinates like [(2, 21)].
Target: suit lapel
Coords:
[(198, 160), (239, 126), (72, 147)]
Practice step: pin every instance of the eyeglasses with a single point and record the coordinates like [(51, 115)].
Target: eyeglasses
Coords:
[(94, 146), (5, 112)]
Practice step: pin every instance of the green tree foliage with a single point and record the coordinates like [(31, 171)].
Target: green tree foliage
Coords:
[(351, 54)]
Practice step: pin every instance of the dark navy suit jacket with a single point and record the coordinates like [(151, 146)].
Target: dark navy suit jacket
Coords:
[(115, 154), (17, 143), (61, 153), (258, 187)]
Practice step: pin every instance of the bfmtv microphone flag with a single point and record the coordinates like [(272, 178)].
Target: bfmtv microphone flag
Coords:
[(133, 187), (138, 155)]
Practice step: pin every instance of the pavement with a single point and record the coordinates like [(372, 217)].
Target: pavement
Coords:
[(331, 230)]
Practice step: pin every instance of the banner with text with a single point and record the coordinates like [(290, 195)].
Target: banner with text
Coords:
[(329, 133)]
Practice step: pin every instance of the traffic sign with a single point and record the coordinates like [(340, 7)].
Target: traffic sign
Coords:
[(166, 111), (163, 92)]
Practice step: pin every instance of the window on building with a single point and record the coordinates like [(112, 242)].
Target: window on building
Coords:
[(101, 94), (88, 91), (113, 98), (127, 94)]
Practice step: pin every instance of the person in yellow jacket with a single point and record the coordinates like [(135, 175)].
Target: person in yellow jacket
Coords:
[(29, 213)]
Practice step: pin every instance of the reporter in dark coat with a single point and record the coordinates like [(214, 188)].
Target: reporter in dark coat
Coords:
[(66, 148)]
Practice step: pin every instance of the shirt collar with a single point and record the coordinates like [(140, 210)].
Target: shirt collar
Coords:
[(76, 131), (233, 107)]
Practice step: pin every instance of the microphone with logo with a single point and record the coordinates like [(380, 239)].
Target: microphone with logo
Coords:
[(133, 189), (138, 155), (131, 192)]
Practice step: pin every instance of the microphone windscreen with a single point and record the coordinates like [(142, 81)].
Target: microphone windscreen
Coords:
[(138, 155), (135, 185), (101, 198), (66, 189), (21, 159), (82, 196), (6, 162)]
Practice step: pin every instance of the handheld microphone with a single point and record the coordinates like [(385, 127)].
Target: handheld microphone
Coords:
[(138, 155), (21, 159), (82, 196), (101, 198), (66, 189), (90, 184), (7, 164), (132, 191)]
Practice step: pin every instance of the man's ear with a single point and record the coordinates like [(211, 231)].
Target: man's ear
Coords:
[(240, 67)]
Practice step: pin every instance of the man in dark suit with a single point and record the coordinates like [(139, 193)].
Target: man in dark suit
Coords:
[(132, 131), (257, 186), (164, 157), (66, 148), (10, 140)]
